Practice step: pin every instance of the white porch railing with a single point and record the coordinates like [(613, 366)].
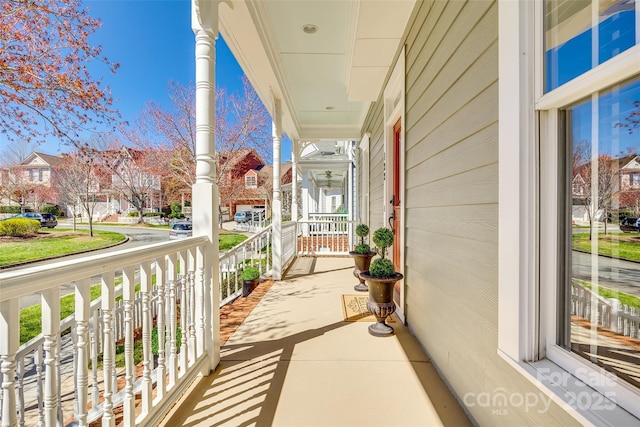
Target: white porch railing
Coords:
[(166, 317), (181, 295), (606, 312), (256, 251), (331, 235), (289, 242)]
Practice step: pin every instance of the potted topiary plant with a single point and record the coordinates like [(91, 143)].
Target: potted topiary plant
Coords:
[(380, 278), (362, 255), (250, 279)]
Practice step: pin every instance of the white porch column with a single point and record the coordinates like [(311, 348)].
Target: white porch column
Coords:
[(294, 181), (276, 207), (205, 191)]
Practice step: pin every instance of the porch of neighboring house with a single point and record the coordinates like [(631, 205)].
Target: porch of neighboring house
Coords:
[(295, 361)]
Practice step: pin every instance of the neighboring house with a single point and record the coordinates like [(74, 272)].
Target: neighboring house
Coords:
[(623, 176), (630, 174), (233, 165), (136, 180), (31, 182), (258, 189), (246, 182), (38, 168)]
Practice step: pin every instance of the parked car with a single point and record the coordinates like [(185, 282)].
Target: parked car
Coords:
[(242, 216), (630, 225), (258, 215), (46, 219), (180, 230)]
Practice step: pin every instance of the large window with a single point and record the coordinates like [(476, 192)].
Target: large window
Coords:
[(581, 34), (567, 276), (598, 138), (600, 304)]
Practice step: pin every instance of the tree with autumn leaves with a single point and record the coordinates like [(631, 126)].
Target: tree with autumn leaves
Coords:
[(45, 86), (242, 123), (81, 180)]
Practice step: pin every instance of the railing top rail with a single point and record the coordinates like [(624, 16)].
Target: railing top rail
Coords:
[(593, 294), (325, 221), (16, 283)]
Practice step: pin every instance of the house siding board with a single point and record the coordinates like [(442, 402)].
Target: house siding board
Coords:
[(451, 203), (426, 139), (376, 168)]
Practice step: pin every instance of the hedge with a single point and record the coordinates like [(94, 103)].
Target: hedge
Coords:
[(10, 209), (19, 227)]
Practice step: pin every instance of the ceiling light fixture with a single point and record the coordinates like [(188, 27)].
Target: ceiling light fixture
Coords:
[(310, 28)]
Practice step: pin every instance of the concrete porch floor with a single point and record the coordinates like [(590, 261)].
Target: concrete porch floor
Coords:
[(295, 362)]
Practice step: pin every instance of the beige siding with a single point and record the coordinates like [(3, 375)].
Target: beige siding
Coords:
[(376, 168), (451, 204)]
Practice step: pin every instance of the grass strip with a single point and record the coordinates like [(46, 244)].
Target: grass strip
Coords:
[(56, 243), (615, 245)]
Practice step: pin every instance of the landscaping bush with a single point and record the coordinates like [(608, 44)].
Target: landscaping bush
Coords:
[(19, 227), (52, 209), (10, 209), (363, 249), (176, 211), (250, 273), (382, 268)]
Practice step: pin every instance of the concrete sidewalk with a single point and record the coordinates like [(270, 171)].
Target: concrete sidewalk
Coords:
[(295, 362)]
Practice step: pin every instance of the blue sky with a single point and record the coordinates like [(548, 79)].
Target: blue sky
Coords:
[(154, 43)]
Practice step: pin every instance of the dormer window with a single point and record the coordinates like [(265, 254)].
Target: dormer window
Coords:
[(251, 179)]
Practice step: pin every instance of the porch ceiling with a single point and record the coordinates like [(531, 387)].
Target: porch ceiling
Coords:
[(325, 80)]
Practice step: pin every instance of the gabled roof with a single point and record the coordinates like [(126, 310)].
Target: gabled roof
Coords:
[(239, 156), (51, 160), (630, 162)]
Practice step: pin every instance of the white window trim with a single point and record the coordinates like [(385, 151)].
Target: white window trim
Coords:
[(528, 265)]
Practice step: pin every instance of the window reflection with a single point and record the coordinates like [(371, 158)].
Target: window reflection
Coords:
[(604, 318), (578, 39)]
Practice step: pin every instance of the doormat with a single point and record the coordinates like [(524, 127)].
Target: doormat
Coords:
[(354, 309)]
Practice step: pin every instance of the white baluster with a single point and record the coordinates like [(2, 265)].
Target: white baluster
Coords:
[(108, 347), (59, 377), (37, 361), (161, 371), (20, 385), (192, 307), (184, 308), (9, 343), (82, 316), (172, 278), (147, 324), (93, 336), (128, 294), (200, 308), (51, 333)]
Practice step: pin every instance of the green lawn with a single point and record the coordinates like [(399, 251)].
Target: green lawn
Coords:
[(55, 242), (227, 241), (619, 245)]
